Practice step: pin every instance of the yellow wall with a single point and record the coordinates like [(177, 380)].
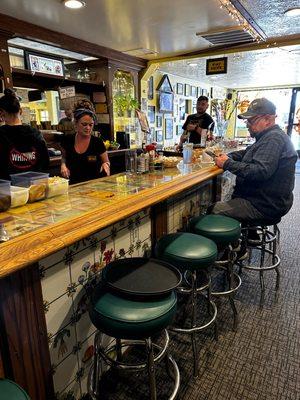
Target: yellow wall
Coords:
[(49, 104), (157, 76)]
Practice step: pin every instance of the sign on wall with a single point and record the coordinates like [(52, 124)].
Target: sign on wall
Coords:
[(66, 92), (216, 66)]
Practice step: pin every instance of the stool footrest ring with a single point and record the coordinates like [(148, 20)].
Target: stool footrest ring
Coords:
[(230, 291), (197, 328), (120, 365), (269, 268)]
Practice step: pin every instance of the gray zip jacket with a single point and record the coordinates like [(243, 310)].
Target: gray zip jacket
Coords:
[(265, 172)]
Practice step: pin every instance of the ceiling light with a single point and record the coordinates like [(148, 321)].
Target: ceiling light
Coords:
[(192, 64), (74, 3), (293, 12)]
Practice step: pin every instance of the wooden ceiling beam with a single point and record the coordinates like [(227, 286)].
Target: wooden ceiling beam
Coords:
[(16, 27)]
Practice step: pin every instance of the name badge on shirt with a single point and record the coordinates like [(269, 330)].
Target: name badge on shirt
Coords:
[(92, 158)]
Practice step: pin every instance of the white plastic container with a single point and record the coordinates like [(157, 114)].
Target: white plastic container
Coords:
[(19, 196), (57, 186), (5, 198), (37, 183)]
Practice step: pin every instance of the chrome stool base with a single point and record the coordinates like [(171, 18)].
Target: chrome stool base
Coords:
[(193, 291), (267, 238), (103, 354), (234, 282)]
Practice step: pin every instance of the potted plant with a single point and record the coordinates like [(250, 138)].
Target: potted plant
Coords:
[(124, 104)]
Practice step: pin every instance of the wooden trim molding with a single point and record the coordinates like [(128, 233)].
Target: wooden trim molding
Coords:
[(28, 248), (23, 328), (159, 222), (17, 27), (5, 69)]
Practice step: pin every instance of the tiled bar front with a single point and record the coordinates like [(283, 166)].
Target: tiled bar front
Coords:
[(67, 277), (62, 334)]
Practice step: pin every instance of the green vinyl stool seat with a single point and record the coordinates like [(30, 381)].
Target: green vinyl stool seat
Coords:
[(9, 390), (132, 321), (126, 318), (219, 228), (194, 255), (225, 232), (187, 251)]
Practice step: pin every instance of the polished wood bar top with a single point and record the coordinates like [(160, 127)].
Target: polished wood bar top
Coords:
[(39, 229)]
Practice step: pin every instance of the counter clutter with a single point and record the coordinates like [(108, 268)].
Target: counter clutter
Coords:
[(56, 246), (30, 187), (37, 229)]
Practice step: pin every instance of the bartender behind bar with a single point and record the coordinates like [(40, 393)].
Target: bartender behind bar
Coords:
[(196, 122)]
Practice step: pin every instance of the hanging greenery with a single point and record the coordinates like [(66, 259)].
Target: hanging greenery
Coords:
[(124, 103)]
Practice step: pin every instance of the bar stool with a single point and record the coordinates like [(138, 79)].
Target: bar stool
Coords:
[(130, 308), (194, 255), (9, 390), (224, 231), (266, 243)]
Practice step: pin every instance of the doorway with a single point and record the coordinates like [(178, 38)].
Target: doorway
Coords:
[(294, 120), (282, 99)]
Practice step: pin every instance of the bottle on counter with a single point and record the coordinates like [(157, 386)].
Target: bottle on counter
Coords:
[(141, 164), (131, 162), (147, 162), (203, 137)]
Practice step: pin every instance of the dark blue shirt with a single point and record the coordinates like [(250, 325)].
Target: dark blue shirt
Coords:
[(265, 172)]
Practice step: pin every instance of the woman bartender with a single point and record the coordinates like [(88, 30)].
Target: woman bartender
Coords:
[(84, 156)]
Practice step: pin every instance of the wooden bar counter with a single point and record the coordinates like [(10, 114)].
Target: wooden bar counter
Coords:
[(54, 256)]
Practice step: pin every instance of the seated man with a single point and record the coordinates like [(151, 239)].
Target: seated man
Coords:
[(265, 171)]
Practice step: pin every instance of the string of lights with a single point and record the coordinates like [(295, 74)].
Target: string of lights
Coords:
[(236, 15)]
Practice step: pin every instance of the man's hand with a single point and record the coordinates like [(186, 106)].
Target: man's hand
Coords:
[(191, 127), (220, 160)]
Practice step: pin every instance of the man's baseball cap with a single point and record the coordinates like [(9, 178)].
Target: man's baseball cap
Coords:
[(261, 106)]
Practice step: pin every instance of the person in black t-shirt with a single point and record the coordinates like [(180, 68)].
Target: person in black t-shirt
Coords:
[(22, 148), (66, 124), (196, 122), (84, 156)]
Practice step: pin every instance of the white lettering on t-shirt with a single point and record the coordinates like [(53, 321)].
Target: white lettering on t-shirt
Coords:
[(23, 156), (23, 160)]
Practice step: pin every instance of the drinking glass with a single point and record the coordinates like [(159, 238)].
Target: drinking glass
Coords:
[(187, 153)]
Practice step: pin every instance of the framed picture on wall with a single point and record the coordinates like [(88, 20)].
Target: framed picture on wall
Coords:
[(159, 136), (144, 105), (152, 133), (179, 88), (151, 114), (204, 92), (165, 102), (193, 91), (142, 117), (158, 121), (150, 88), (181, 109), (44, 63), (168, 128), (187, 90), (178, 130)]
